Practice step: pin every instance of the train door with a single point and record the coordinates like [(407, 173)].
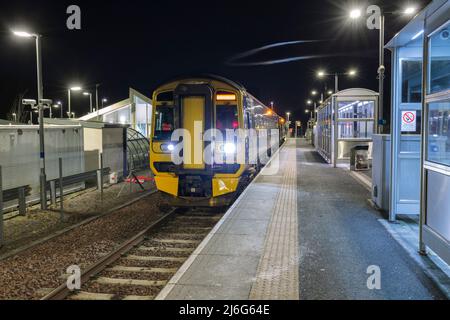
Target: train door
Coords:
[(193, 111)]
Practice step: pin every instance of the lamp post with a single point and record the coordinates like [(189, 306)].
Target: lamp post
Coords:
[(322, 74), (60, 106), (43, 178), (356, 14), (104, 100), (288, 117), (75, 88), (307, 111), (90, 100), (96, 95), (56, 106)]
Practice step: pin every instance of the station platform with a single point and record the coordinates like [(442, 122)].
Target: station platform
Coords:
[(304, 231), (253, 252)]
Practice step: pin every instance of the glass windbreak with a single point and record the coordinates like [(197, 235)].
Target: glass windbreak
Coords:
[(226, 117), (121, 116), (356, 109), (411, 81), (438, 133), (164, 123), (356, 130), (440, 60)]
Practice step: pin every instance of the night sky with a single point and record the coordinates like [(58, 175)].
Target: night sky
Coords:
[(141, 44)]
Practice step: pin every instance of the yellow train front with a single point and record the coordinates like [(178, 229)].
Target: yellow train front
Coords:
[(185, 110)]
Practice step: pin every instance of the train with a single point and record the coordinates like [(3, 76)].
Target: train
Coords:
[(194, 170)]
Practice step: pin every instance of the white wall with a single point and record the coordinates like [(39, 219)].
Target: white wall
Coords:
[(19, 154)]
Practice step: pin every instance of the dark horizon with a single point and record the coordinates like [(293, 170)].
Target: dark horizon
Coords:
[(141, 45)]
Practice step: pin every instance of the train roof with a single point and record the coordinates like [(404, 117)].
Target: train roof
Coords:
[(232, 83)]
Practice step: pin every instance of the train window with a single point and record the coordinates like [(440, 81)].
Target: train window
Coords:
[(227, 117), (165, 123)]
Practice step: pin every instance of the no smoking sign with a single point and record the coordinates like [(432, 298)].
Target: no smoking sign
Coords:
[(409, 121)]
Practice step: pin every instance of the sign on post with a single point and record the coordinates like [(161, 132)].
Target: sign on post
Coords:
[(409, 121)]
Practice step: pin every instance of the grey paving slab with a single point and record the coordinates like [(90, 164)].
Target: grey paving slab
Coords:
[(244, 227), (249, 212), (221, 271), (195, 292), (235, 245)]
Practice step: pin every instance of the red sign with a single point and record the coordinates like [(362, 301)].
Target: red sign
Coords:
[(409, 117)]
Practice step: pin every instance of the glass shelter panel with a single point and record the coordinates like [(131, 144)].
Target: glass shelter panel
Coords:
[(143, 113), (438, 133), (439, 64), (356, 119), (411, 77), (356, 109), (122, 116)]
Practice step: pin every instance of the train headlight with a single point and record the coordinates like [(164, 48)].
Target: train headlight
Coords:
[(167, 147), (229, 148)]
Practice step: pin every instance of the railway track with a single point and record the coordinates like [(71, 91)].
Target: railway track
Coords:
[(141, 267)]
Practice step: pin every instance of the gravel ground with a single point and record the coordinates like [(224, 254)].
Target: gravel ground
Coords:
[(113, 195), (28, 274), (38, 224), (124, 290)]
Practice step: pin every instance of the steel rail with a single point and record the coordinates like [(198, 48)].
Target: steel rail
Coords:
[(63, 292)]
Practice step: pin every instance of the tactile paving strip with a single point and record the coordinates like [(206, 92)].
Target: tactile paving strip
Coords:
[(277, 277)]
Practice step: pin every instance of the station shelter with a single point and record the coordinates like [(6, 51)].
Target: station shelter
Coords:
[(420, 134), (345, 120), (135, 111)]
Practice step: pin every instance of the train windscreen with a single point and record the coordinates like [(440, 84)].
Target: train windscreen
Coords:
[(227, 117), (165, 123)]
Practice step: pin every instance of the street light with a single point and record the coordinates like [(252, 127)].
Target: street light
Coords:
[(314, 92), (356, 14), (40, 92), (104, 100), (90, 100), (410, 10), (74, 88), (59, 103), (322, 74)]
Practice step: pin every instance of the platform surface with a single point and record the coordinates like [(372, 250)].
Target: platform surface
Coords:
[(303, 232), (253, 253)]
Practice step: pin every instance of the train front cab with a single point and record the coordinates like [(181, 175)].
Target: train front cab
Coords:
[(195, 106)]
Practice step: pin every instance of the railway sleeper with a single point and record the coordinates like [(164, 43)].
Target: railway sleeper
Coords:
[(168, 249), (174, 241), (156, 259), (142, 270), (89, 296), (130, 282)]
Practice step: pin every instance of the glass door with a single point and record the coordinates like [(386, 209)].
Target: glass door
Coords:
[(406, 130)]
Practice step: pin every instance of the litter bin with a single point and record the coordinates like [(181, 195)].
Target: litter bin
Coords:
[(359, 159)]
